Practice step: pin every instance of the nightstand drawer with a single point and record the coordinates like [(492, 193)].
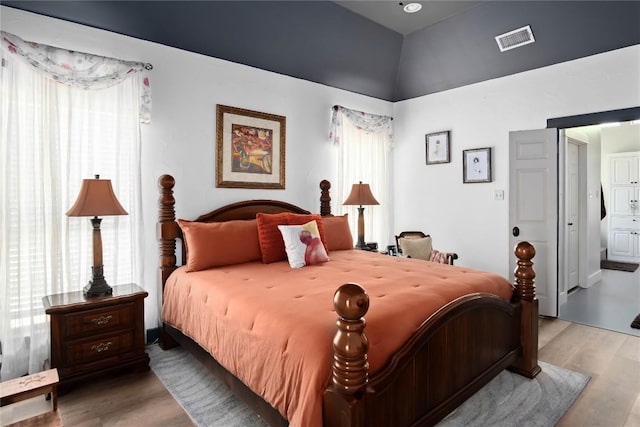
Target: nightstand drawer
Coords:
[(90, 350), (98, 320)]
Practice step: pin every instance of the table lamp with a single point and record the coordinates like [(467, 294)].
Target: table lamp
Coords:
[(96, 198), (360, 195)]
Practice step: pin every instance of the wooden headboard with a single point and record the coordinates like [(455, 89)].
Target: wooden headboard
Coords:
[(169, 231)]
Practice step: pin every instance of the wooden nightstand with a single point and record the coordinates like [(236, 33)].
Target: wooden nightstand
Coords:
[(99, 335)]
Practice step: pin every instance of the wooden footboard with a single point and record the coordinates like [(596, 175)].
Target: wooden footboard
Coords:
[(453, 354)]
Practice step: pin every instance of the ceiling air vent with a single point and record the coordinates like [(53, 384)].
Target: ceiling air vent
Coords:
[(515, 38)]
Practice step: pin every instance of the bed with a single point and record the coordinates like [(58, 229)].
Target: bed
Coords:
[(427, 371)]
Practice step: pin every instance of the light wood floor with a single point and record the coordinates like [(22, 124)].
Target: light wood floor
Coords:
[(611, 399), (612, 359), (130, 399)]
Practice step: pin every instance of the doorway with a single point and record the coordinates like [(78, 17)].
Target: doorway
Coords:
[(603, 298)]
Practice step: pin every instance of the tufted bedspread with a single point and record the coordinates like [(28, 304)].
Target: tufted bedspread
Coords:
[(273, 326)]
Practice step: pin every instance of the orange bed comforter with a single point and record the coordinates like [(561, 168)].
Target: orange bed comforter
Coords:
[(272, 326)]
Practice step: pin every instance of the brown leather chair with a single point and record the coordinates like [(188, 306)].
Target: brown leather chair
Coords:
[(450, 256)]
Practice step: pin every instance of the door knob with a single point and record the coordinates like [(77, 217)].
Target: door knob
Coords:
[(570, 223), (516, 231)]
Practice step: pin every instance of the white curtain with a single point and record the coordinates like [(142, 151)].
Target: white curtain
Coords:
[(364, 143), (53, 135)]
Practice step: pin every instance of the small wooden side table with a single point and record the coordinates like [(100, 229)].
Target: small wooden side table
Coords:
[(29, 386), (98, 335)]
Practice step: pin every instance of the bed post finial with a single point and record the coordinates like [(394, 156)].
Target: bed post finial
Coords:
[(325, 198), (525, 292), (350, 344), (525, 276), (350, 369), (167, 202)]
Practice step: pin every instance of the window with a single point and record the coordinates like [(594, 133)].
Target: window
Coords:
[(54, 135), (364, 144)]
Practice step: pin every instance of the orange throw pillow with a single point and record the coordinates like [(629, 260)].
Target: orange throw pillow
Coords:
[(271, 242), (214, 244), (338, 232), (270, 238)]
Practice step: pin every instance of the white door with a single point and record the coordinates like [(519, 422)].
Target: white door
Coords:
[(533, 207), (573, 215)]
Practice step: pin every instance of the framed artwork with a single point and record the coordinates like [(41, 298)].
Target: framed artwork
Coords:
[(438, 147), (476, 165), (250, 149)]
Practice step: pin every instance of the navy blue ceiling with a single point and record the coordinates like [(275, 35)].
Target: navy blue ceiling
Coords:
[(322, 42)]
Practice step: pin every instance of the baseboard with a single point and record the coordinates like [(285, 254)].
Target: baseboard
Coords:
[(153, 335), (594, 278), (562, 298)]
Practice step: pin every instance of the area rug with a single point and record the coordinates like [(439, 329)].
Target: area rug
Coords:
[(512, 400), (618, 265), (507, 400), (202, 396)]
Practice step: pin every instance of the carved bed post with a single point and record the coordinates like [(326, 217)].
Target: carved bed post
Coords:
[(166, 213), (350, 369), (325, 198), (525, 292), (167, 233)]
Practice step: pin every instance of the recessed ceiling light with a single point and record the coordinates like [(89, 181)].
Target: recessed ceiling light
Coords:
[(412, 7)]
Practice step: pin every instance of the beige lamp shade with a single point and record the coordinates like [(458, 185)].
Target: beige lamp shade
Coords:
[(96, 198), (361, 195)]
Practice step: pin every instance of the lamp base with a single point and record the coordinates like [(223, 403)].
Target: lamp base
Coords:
[(97, 286), (97, 289), (362, 246)]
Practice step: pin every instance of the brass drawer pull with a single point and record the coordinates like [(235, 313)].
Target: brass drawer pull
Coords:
[(99, 348), (102, 320)]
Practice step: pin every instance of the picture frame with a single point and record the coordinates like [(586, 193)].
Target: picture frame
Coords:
[(476, 165), (438, 147), (250, 149)]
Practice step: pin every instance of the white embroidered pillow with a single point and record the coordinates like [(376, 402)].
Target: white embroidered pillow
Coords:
[(303, 244)]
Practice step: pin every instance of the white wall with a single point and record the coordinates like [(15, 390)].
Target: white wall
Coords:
[(594, 198), (465, 218), (181, 137)]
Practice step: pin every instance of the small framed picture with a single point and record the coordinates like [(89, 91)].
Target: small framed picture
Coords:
[(476, 165), (438, 147)]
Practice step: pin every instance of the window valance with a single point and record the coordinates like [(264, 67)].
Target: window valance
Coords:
[(366, 122), (80, 69)]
